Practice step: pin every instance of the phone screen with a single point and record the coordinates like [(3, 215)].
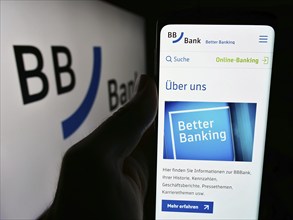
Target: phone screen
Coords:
[(214, 84)]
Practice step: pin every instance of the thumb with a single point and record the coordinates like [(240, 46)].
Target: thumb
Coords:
[(124, 129)]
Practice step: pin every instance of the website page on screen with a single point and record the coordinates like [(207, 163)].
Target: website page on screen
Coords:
[(214, 85)]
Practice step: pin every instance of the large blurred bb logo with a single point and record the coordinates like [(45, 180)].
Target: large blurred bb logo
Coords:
[(73, 122)]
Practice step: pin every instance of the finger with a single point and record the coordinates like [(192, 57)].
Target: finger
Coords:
[(144, 155), (119, 134)]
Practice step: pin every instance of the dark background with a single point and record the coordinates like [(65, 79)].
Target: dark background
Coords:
[(277, 185)]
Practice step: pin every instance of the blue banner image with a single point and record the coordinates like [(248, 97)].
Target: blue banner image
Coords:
[(205, 131)]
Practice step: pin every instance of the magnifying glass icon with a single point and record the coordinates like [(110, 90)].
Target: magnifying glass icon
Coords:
[(169, 59)]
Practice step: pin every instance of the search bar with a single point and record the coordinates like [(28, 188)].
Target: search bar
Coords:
[(216, 59), (178, 59)]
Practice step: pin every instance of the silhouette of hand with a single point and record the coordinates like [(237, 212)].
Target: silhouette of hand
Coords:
[(107, 172)]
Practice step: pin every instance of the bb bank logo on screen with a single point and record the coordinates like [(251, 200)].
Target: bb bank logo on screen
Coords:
[(74, 121), (31, 74), (181, 37)]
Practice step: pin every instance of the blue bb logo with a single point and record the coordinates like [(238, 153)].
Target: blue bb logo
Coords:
[(175, 37), (73, 122)]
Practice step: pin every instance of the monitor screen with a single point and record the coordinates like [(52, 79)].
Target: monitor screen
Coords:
[(65, 67)]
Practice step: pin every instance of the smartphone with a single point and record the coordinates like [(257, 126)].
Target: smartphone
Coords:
[(214, 75)]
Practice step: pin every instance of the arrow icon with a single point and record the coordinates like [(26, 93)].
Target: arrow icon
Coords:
[(206, 207), (265, 60)]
